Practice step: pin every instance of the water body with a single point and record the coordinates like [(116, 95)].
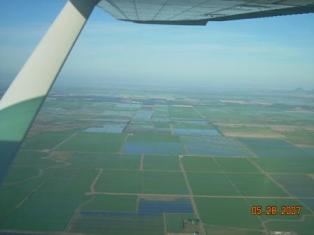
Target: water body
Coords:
[(149, 207), (152, 207), (218, 146)]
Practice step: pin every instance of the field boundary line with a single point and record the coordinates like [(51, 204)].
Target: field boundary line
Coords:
[(93, 185), (239, 191), (202, 228), (142, 162), (268, 175)]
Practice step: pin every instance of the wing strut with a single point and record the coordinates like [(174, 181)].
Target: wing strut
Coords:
[(23, 99)]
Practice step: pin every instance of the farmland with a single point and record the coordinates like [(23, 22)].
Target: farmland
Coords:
[(125, 162)]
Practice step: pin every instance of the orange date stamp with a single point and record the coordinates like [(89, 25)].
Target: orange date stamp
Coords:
[(273, 210)]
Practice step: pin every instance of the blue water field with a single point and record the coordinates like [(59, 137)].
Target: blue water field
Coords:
[(149, 207), (218, 146)]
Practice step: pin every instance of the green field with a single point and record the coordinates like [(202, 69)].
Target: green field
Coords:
[(272, 148), (133, 225), (227, 212), (155, 162), (175, 221), (107, 161), (117, 203), (164, 183), (94, 142), (211, 184), (220, 152), (46, 140), (236, 165), (255, 185), (201, 164), (288, 165), (142, 181), (120, 182)]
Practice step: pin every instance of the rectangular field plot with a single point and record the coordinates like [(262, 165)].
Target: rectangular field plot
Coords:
[(164, 183), (297, 185), (211, 184), (46, 203), (112, 203), (200, 164), (108, 128), (288, 164), (32, 158), (192, 124), (43, 212), (105, 160), (11, 196), (183, 112), (153, 138), (158, 207), (118, 114), (155, 162), (141, 182), (214, 146), (94, 142), (195, 132), (175, 221), (226, 212), (67, 181), (236, 165), (152, 144), (21, 174), (272, 148), (119, 225), (46, 140), (255, 185), (120, 182)]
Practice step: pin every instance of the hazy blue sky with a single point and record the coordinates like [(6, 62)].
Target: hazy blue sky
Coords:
[(275, 52)]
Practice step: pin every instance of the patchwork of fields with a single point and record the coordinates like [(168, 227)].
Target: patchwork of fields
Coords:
[(155, 163)]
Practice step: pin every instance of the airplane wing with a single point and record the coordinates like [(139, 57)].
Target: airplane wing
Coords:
[(199, 12)]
